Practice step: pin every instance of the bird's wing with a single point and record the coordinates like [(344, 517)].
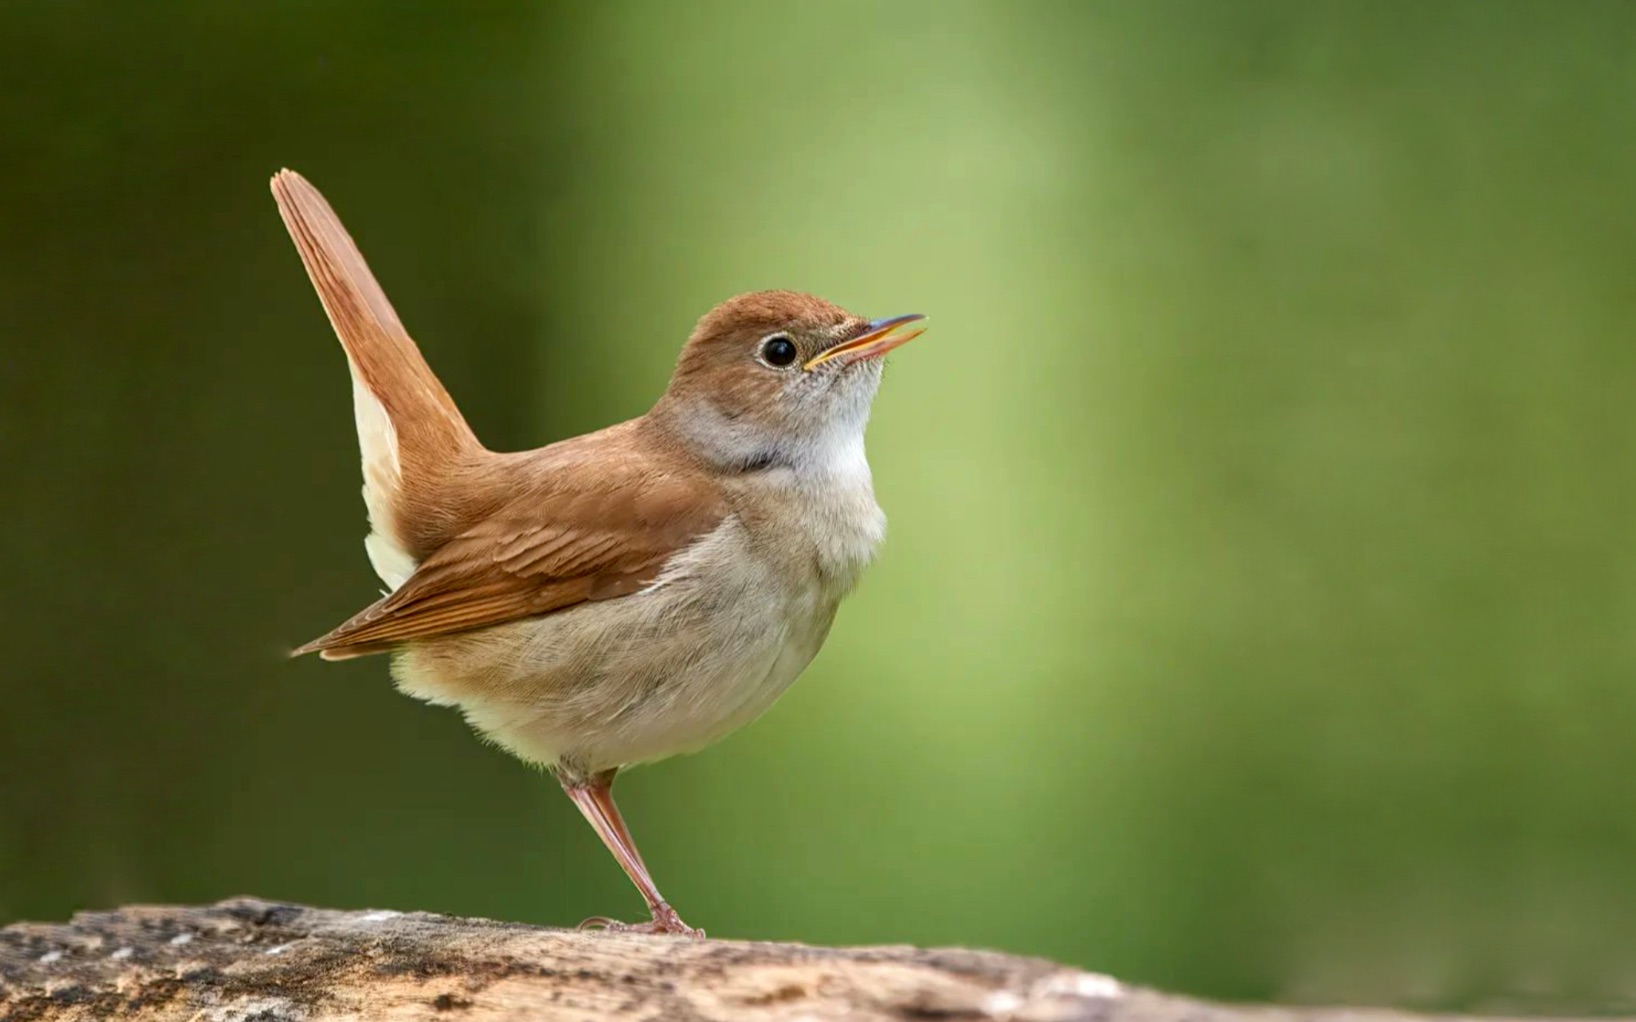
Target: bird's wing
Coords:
[(563, 539)]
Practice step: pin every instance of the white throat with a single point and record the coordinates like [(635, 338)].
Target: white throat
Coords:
[(819, 461), (821, 438)]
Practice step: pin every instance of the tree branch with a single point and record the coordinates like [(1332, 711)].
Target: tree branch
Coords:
[(254, 960)]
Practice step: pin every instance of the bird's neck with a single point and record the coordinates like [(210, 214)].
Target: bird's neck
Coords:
[(808, 494), (827, 452)]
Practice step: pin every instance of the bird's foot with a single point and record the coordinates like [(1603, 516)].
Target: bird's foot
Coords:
[(665, 921)]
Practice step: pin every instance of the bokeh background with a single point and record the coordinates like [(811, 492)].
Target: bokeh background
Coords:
[(1257, 615)]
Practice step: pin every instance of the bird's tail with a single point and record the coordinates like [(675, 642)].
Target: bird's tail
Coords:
[(410, 433)]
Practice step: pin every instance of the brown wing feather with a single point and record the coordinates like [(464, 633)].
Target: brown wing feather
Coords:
[(562, 540)]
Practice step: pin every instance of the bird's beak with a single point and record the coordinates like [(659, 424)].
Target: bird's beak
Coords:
[(881, 336)]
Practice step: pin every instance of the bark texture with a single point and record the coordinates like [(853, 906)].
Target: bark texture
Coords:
[(254, 960)]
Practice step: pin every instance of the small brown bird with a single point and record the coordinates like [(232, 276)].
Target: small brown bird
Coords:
[(629, 594)]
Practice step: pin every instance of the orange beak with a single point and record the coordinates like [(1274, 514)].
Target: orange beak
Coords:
[(881, 336)]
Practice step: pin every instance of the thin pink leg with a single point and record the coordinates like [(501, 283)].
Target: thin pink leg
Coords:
[(594, 798)]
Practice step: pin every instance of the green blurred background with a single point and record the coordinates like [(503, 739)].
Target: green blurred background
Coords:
[(1257, 614)]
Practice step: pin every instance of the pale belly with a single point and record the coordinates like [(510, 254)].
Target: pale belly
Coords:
[(638, 678)]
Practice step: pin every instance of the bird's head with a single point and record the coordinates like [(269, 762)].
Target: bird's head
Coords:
[(779, 377)]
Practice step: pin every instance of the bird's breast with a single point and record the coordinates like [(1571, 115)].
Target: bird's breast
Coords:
[(822, 523), (725, 629)]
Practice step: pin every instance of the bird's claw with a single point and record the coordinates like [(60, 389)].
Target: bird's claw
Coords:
[(665, 922)]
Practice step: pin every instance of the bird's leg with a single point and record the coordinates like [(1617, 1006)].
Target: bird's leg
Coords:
[(594, 797)]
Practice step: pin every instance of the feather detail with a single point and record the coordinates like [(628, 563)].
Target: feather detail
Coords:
[(564, 537), (410, 434)]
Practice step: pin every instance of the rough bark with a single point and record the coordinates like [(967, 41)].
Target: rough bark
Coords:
[(254, 960)]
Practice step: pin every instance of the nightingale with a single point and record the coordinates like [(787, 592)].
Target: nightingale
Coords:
[(626, 595)]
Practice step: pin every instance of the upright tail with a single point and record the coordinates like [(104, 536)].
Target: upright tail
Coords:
[(409, 431)]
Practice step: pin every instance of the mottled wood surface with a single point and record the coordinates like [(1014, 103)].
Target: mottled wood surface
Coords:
[(254, 960)]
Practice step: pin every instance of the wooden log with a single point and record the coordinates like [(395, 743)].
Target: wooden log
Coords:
[(248, 960)]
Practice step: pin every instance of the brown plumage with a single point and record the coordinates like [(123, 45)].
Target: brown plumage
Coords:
[(434, 442), (557, 539), (621, 596), (497, 537)]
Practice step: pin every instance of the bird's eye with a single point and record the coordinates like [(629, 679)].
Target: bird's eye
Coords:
[(778, 351)]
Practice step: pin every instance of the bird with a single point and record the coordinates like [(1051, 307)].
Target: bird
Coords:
[(623, 596)]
